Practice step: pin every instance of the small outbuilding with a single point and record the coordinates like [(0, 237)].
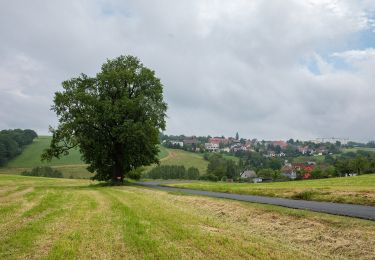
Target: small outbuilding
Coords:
[(248, 174)]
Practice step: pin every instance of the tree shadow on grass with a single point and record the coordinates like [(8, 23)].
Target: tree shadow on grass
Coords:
[(85, 186)]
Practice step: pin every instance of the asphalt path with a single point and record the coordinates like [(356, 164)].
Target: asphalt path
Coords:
[(351, 210)]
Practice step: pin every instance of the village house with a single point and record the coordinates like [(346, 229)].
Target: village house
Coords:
[(211, 147), (321, 151), (290, 170), (232, 140), (270, 154), (257, 180), (190, 141), (225, 149), (248, 174), (218, 140), (282, 144), (305, 150), (238, 147), (179, 143)]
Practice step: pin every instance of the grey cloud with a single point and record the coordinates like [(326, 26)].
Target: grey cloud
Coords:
[(226, 66)]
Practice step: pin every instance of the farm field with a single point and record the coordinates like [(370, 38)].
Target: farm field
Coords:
[(75, 219), (355, 190)]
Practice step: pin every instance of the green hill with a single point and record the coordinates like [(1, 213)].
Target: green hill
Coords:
[(30, 157), (72, 165), (187, 159)]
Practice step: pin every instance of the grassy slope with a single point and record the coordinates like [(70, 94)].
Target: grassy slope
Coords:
[(358, 190), (302, 159), (187, 159), (69, 219), (72, 164), (30, 157)]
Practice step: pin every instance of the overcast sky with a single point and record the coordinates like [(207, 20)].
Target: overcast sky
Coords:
[(271, 69)]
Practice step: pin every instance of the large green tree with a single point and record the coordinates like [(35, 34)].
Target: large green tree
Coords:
[(114, 118)]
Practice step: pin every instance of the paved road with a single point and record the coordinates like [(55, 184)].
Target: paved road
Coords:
[(358, 211)]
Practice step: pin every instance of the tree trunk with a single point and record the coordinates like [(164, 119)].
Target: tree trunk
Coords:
[(118, 169), (118, 175)]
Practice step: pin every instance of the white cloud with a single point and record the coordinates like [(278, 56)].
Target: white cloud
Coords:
[(226, 66), (356, 55)]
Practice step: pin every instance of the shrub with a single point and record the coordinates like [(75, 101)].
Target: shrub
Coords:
[(208, 177), (168, 172), (135, 174), (304, 195), (44, 171), (192, 173)]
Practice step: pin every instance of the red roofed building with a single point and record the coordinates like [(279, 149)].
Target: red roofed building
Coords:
[(217, 140), (303, 167), (282, 144)]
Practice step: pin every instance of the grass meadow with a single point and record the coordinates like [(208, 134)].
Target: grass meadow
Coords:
[(71, 165), (187, 159), (366, 149), (43, 218), (356, 190)]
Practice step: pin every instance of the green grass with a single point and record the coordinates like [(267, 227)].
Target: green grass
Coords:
[(71, 165), (367, 149), (356, 190), (79, 219), (163, 152), (187, 159), (231, 157), (30, 157), (302, 159)]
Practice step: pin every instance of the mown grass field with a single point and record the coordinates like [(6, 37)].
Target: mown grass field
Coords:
[(78, 219), (356, 190)]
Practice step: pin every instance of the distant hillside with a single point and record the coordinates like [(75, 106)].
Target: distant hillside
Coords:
[(72, 165), (187, 159), (30, 157)]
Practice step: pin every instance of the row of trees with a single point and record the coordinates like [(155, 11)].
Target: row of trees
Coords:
[(44, 171), (173, 172), (256, 161), (358, 165), (12, 142), (221, 168)]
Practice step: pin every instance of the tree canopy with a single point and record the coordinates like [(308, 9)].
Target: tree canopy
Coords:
[(114, 118)]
